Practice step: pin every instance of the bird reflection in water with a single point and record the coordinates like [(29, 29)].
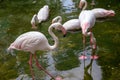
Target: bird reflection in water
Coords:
[(91, 70)]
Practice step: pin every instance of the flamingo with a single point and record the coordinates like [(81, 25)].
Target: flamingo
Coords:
[(69, 25), (101, 13), (83, 4), (98, 12), (87, 20), (42, 15), (33, 41)]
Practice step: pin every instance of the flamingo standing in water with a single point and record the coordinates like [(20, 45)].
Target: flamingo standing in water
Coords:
[(87, 20), (42, 15), (33, 41), (74, 24), (70, 25), (98, 12)]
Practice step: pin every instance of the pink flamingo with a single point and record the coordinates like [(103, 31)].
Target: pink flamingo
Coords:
[(101, 13), (33, 41), (98, 12), (70, 25), (87, 20), (42, 15)]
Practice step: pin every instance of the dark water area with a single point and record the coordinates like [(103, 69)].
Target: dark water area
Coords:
[(15, 17)]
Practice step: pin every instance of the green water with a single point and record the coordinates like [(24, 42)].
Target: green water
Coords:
[(15, 17)]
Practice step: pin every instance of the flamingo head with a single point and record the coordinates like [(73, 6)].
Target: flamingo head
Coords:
[(10, 50), (82, 4), (61, 28), (34, 21), (111, 13)]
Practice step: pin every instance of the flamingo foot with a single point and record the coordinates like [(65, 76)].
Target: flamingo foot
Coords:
[(94, 57), (83, 57), (58, 78)]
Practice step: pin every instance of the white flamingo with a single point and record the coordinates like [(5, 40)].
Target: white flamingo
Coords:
[(98, 12), (101, 13), (42, 15), (33, 41), (87, 20), (70, 25)]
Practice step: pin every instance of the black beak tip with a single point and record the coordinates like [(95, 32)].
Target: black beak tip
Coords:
[(64, 35)]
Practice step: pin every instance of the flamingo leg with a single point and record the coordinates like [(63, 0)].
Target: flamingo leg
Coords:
[(30, 63), (92, 40), (40, 67), (84, 43), (93, 44)]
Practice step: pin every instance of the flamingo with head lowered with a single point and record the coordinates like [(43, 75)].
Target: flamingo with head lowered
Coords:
[(98, 12), (102, 13), (33, 41), (70, 25), (42, 15)]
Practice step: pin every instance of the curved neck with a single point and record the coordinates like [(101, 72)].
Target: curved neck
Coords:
[(56, 42), (57, 19), (60, 19), (36, 19), (85, 6)]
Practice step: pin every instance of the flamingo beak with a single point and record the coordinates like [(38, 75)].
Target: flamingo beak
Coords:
[(63, 31), (33, 26), (112, 14)]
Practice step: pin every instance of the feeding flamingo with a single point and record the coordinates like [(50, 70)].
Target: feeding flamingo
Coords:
[(98, 12), (101, 13), (87, 20), (33, 41), (69, 25), (42, 15)]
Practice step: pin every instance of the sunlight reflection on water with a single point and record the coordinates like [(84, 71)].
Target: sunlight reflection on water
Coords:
[(68, 6)]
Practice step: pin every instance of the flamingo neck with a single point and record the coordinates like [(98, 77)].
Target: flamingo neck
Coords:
[(57, 19), (56, 42), (60, 19), (36, 21), (85, 6)]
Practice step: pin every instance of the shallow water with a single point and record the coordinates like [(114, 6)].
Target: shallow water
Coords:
[(15, 19)]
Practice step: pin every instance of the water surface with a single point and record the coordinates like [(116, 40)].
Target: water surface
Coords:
[(15, 19)]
